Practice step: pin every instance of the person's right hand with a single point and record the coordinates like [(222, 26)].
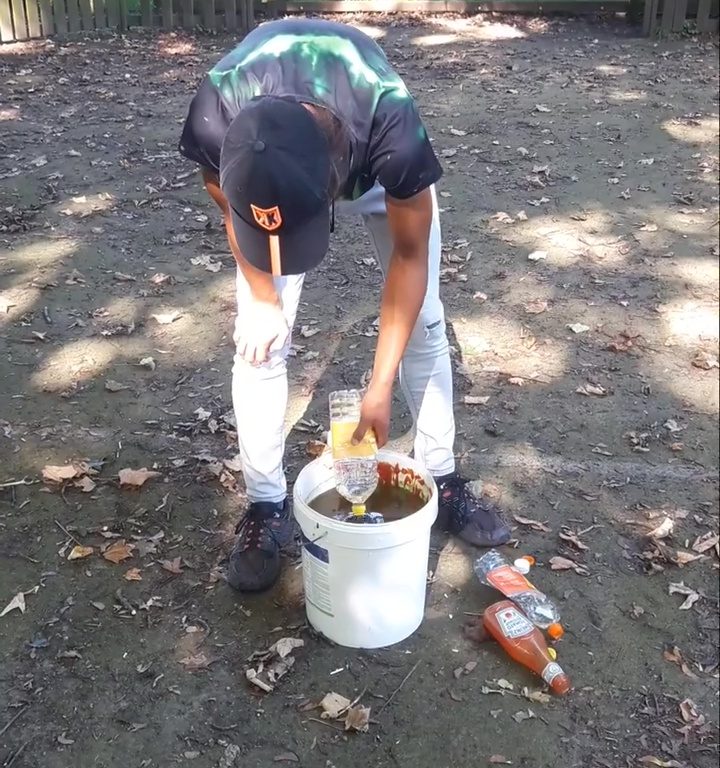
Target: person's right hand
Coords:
[(262, 327)]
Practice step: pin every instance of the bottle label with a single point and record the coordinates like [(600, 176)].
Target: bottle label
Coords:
[(513, 624), (550, 672), (341, 433), (508, 581)]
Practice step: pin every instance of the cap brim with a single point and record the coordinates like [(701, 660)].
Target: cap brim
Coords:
[(301, 250)]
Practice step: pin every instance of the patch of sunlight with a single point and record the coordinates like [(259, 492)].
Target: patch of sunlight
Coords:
[(430, 40), (691, 321), (39, 253), (487, 30), (702, 272), (171, 47), (79, 360), (375, 32), (698, 390), (624, 96), (702, 131), (9, 113), (85, 205)]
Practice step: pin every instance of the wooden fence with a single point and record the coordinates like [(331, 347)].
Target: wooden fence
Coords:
[(30, 19)]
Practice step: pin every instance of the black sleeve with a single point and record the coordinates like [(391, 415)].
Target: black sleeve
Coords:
[(205, 127), (400, 155)]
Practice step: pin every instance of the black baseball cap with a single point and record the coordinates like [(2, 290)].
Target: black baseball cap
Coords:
[(275, 172)]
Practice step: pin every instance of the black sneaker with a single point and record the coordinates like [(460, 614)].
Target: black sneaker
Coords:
[(255, 558), (464, 515)]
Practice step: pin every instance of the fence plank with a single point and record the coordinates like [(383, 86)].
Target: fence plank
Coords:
[(86, 15), (207, 14), (650, 17), (231, 14), (249, 16), (146, 13), (73, 14), (679, 15), (99, 14), (113, 13), (46, 18), (187, 18), (58, 7), (167, 14), (703, 16), (6, 26), (33, 18), (19, 20)]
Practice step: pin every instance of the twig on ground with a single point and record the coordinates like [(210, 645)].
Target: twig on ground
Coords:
[(67, 533), (397, 690), (14, 718)]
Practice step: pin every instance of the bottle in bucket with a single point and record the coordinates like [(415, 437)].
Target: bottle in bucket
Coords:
[(355, 466)]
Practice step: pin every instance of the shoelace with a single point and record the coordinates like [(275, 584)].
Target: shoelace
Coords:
[(253, 527), (454, 491)]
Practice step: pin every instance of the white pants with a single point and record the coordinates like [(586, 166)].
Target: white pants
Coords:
[(260, 393)]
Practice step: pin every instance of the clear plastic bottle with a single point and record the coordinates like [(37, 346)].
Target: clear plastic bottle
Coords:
[(355, 466), (495, 571)]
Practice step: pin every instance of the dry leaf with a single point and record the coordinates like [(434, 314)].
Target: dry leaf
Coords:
[(683, 558), (333, 705), (656, 761), (663, 530), (16, 604), (85, 484), (536, 696), (476, 399), (78, 552), (537, 256), (518, 717), (133, 574), (536, 307), (591, 389), (573, 539), (705, 361), (536, 525), (285, 646), (542, 108), (118, 551), (167, 318), (705, 542), (688, 710), (135, 477), (578, 327), (58, 474), (63, 739), (358, 719), (558, 563), (172, 566), (114, 386), (121, 277), (196, 661), (306, 331), (691, 598), (499, 760), (286, 757), (516, 381)]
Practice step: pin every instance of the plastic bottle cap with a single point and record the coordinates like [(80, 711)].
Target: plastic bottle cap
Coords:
[(552, 653), (522, 565), (555, 631), (530, 559)]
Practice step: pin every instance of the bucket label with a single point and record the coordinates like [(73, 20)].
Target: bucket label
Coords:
[(513, 624), (316, 575)]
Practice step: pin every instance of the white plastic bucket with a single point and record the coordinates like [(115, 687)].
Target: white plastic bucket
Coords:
[(364, 584)]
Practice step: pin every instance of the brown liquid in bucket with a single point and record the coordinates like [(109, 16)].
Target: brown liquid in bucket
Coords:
[(399, 493)]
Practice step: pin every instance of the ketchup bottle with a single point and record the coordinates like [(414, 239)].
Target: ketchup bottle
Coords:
[(524, 643)]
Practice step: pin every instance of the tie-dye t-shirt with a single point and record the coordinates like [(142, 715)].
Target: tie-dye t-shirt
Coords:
[(334, 66)]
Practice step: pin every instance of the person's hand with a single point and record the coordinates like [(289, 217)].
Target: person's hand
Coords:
[(375, 415), (262, 327)]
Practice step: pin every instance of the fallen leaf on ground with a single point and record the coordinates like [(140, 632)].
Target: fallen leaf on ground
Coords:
[(516, 381), (537, 256), (476, 399), (133, 574), (85, 484), (333, 705), (285, 646), (680, 588), (705, 361), (684, 558), (542, 108), (506, 685), (114, 386), (536, 696), (63, 739), (499, 760), (306, 331), (197, 661), (558, 563), (663, 530), (358, 719), (578, 327), (167, 318), (518, 717), (536, 307), (78, 552), (135, 478), (536, 525), (620, 343), (147, 362), (286, 757), (705, 542), (206, 261), (591, 389), (651, 760), (572, 538), (122, 277), (16, 604), (172, 566), (58, 474), (118, 551)]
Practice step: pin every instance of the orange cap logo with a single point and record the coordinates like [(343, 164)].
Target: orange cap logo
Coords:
[(267, 218)]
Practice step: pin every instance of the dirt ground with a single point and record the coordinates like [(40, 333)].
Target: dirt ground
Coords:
[(580, 215)]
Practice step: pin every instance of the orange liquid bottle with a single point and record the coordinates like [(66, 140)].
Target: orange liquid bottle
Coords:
[(524, 643)]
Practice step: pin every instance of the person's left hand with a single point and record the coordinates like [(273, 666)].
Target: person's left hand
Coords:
[(375, 415)]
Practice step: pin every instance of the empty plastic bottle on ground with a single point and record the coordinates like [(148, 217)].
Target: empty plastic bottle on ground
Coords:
[(495, 571), (356, 466), (524, 643)]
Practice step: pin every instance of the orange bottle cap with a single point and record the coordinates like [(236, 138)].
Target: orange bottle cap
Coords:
[(530, 559), (555, 631)]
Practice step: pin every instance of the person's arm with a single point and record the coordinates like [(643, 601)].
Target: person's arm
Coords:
[(405, 286), (264, 325)]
